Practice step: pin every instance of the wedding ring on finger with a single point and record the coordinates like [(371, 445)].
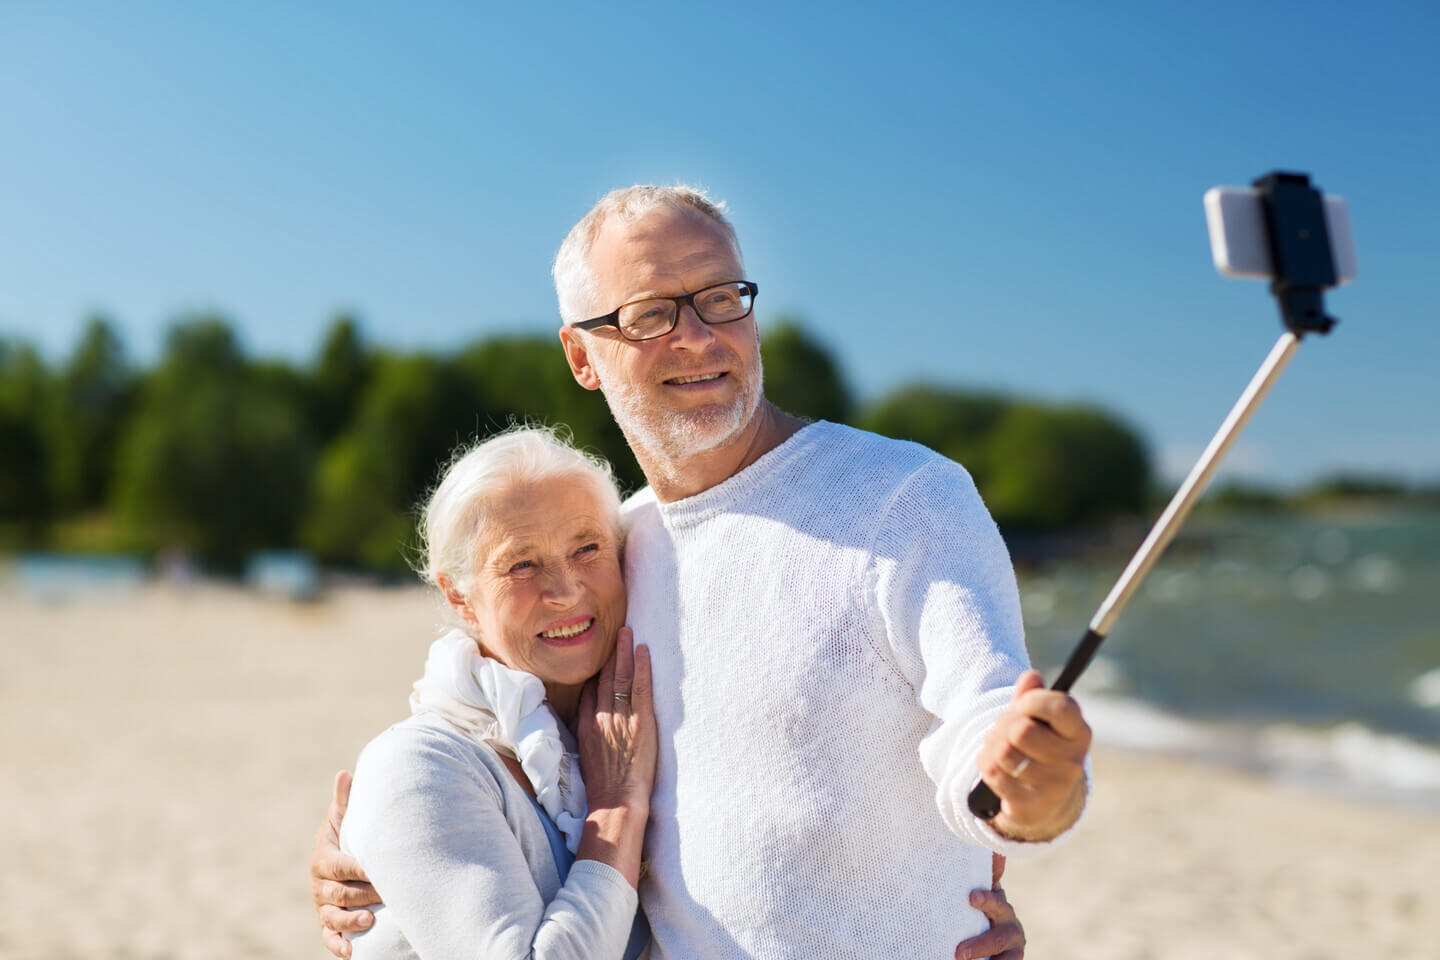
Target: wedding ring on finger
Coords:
[(1020, 767), (622, 696)]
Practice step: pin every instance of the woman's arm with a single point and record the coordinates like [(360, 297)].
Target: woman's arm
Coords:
[(427, 821)]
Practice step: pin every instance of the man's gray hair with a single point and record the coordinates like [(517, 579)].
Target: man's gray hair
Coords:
[(575, 283), (457, 516)]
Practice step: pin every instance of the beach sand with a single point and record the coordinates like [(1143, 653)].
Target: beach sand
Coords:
[(168, 755)]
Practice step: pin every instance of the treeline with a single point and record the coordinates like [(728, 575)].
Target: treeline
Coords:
[(1329, 491), (218, 455)]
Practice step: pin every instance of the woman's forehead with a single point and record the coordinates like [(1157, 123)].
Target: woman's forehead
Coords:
[(551, 511)]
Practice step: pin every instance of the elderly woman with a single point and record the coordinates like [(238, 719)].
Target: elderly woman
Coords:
[(480, 828), (504, 817)]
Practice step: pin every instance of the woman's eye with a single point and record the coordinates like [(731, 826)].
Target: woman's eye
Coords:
[(588, 549), (523, 567)]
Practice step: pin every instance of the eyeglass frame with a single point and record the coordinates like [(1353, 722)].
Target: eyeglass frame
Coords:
[(612, 319)]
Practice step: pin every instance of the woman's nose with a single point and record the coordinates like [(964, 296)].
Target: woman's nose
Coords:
[(562, 586)]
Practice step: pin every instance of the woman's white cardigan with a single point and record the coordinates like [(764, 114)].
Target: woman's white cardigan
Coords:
[(456, 849)]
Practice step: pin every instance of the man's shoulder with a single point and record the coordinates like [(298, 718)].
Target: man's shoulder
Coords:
[(886, 461), (637, 507)]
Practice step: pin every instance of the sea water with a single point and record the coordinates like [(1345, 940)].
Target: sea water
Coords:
[(1303, 647)]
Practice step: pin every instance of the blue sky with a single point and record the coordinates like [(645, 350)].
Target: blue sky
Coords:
[(999, 196)]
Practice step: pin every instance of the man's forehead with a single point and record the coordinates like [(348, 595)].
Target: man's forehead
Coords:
[(667, 245)]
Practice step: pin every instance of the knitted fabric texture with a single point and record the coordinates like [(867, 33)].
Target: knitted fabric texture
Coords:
[(833, 632)]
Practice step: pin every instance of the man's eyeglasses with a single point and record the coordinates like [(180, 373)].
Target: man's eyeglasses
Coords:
[(648, 319)]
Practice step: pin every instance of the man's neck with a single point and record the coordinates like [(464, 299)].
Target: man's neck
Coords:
[(672, 480)]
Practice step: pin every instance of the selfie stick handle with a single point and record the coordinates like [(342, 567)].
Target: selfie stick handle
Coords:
[(983, 801)]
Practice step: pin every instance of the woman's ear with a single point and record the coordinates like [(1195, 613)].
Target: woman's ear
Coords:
[(457, 600)]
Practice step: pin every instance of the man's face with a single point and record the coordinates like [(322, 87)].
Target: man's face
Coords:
[(695, 388)]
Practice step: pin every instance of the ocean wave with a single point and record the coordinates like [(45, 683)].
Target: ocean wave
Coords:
[(1348, 758)]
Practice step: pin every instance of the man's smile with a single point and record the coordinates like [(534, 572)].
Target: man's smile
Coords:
[(696, 378)]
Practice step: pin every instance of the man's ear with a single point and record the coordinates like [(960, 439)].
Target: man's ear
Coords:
[(578, 356)]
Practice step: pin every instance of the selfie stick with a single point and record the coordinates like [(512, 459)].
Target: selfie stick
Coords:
[(1304, 268)]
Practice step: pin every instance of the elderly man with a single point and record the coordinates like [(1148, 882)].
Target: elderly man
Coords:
[(833, 623)]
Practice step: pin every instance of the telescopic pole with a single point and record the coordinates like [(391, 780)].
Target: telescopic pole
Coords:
[(1303, 267), (983, 801)]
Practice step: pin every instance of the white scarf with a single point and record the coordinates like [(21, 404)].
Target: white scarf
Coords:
[(506, 708)]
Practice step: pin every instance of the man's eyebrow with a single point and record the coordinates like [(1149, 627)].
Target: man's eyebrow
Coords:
[(723, 276)]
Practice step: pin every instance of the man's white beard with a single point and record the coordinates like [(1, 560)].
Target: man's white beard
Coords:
[(672, 437)]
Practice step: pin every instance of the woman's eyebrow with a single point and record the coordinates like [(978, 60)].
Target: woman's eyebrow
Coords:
[(511, 550)]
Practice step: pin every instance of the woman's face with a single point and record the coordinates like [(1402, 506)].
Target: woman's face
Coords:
[(548, 595)]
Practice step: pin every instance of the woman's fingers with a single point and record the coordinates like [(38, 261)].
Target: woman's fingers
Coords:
[(624, 669), (605, 683), (640, 687)]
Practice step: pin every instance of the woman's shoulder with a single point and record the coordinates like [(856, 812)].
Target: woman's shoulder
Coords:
[(425, 753)]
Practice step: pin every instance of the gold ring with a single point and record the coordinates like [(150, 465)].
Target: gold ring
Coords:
[(622, 696)]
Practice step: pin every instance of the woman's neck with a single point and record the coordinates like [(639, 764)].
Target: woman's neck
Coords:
[(564, 699)]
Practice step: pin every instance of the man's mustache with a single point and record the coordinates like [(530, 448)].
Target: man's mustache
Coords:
[(711, 359)]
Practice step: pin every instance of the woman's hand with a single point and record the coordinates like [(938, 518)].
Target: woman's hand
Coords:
[(617, 757), (617, 730)]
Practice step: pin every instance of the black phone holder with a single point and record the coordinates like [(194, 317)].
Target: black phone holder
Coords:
[(1300, 253)]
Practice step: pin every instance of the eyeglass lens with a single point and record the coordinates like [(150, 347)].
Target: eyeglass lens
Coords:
[(721, 303)]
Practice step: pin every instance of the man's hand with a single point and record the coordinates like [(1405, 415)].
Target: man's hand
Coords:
[(336, 881), (1034, 761), (1005, 940)]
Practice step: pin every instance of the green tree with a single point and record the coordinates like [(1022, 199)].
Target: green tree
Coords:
[(91, 401), (1051, 468), (25, 502), (338, 376), (218, 455), (526, 380), (415, 411), (1038, 467), (801, 376)]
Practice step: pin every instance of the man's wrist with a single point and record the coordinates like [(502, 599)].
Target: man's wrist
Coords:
[(1048, 829)]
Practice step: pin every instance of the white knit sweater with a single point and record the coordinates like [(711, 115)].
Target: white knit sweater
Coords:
[(833, 631)]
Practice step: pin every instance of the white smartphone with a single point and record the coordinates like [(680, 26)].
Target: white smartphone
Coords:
[(1237, 233)]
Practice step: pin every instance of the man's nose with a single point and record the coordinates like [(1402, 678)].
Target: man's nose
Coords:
[(690, 333)]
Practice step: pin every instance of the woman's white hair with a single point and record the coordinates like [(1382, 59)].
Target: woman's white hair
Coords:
[(575, 284), (453, 527)]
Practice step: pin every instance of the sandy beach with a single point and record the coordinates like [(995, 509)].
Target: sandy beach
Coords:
[(169, 753)]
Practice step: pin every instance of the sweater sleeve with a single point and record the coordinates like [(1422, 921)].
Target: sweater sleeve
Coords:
[(947, 596), (428, 825)]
